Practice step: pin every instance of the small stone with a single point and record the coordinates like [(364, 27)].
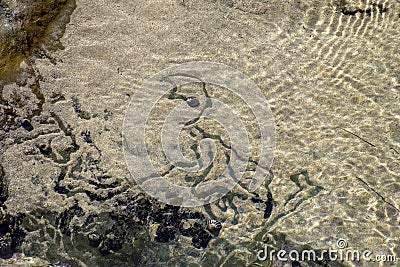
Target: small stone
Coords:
[(93, 237), (193, 102), (27, 125), (186, 226)]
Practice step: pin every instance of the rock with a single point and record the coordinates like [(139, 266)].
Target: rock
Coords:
[(25, 26), (27, 125)]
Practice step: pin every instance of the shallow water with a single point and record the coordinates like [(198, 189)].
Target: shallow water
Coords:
[(329, 72)]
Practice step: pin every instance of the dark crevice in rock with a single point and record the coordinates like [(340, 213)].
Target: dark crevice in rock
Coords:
[(269, 204), (64, 219), (86, 137), (100, 186), (11, 234), (78, 109), (99, 195), (66, 153), (60, 189), (35, 87), (295, 178), (3, 187), (306, 190), (119, 237), (346, 9)]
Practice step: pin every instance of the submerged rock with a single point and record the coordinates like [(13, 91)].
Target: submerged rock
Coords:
[(27, 25)]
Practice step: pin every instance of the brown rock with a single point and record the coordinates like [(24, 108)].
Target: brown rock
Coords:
[(27, 25)]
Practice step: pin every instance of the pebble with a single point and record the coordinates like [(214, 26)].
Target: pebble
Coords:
[(193, 102), (27, 125)]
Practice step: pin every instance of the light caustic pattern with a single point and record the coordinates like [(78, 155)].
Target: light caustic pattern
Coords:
[(341, 71), (344, 26), (350, 32), (225, 150)]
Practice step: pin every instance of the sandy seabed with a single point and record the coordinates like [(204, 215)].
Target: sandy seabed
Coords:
[(329, 71)]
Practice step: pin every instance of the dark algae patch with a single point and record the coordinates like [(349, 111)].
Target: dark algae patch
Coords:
[(11, 234), (3, 187), (348, 9), (173, 221), (118, 237)]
